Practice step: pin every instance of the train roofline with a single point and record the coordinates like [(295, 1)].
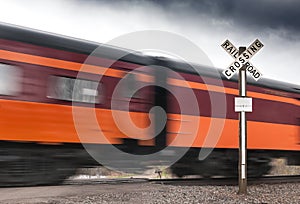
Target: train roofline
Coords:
[(71, 44), (61, 42)]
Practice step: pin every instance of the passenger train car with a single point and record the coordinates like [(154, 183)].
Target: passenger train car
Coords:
[(40, 85)]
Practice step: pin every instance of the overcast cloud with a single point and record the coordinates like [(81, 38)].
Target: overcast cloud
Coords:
[(257, 14), (207, 23)]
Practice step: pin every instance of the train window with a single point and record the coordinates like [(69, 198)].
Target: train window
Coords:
[(10, 80), (70, 89)]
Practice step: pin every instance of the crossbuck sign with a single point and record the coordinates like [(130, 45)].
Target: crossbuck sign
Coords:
[(242, 59)]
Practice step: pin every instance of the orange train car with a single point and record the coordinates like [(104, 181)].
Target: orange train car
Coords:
[(67, 103)]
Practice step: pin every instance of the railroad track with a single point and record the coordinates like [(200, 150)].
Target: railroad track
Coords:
[(105, 181), (186, 181), (227, 181)]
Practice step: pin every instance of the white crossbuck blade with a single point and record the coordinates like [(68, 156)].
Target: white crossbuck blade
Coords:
[(242, 59)]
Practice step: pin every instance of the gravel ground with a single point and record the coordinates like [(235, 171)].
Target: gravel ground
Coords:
[(148, 193), (155, 193)]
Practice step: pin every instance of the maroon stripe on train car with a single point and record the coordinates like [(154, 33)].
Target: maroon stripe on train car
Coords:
[(264, 110), (36, 82)]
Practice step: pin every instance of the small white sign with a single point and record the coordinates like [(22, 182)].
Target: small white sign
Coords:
[(242, 104)]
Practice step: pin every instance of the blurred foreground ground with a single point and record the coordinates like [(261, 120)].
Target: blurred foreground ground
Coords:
[(149, 193)]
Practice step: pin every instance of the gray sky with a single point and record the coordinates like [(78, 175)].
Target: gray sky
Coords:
[(207, 23)]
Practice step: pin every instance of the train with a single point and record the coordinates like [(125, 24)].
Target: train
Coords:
[(58, 100)]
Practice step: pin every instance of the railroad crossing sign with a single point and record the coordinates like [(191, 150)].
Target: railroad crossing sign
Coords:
[(243, 104), (242, 59)]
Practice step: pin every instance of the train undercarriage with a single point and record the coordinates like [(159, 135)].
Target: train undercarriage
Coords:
[(25, 164), (222, 163)]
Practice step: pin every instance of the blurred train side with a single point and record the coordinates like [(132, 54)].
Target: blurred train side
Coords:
[(273, 126), (36, 109), (39, 143)]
